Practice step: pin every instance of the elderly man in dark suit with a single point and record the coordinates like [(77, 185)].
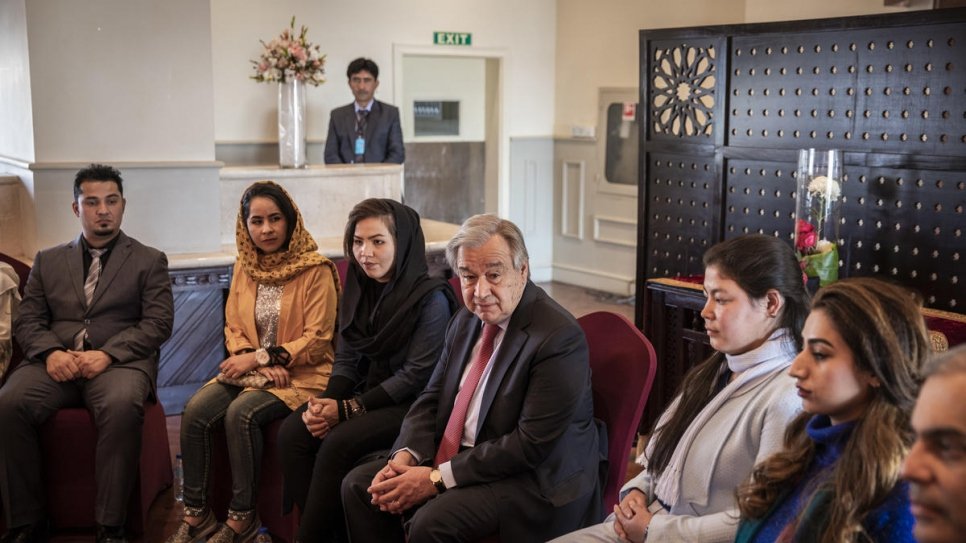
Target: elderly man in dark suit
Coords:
[(94, 314), (503, 438), (366, 130)]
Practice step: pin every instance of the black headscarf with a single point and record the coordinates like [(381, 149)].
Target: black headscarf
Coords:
[(377, 325)]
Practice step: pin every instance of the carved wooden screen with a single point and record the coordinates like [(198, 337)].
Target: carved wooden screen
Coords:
[(727, 108)]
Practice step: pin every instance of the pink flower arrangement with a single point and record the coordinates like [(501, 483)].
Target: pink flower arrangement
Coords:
[(290, 57), (806, 238)]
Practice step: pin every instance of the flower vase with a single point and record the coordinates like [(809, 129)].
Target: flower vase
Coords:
[(291, 124), (818, 207)]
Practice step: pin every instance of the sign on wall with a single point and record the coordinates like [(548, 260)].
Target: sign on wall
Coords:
[(452, 38)]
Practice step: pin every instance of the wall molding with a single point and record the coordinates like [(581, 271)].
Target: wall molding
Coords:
[(572, 227), (129, 165), (600, 223), (594, 279)]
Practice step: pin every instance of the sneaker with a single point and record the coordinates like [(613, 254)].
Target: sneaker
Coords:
[(194, 534), (226, 535)]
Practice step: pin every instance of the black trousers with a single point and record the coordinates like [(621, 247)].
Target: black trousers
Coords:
[(514, 508), (314, 468), (115, 398)]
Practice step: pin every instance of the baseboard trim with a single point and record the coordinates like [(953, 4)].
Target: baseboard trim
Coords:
[(594, 279)]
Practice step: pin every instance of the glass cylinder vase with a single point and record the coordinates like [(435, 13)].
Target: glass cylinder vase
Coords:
[(291, 124), (818, 208)]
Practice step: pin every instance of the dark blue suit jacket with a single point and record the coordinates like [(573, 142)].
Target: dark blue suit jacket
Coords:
[(384, 142)]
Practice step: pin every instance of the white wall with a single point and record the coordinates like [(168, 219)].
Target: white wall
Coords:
[(758, 11), (120, 80), (16, 127), (245, 110), (597, 46), (461, 79)]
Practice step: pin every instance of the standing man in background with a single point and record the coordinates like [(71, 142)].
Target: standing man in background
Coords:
[(366, 130), (94, 315)]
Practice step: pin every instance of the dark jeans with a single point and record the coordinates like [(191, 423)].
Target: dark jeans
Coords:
[(314, 468), (115, 399), (243, 415)]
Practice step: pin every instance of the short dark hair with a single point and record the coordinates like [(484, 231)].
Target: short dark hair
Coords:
[(268, 189), (361, 64), (97, 172)]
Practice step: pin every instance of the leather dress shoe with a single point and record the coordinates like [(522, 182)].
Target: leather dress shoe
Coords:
[(110, 534), (30, 533)]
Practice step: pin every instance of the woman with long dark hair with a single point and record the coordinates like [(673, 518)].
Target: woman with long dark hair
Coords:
[(730, 411), (279, 324), (391, 326), (837, 476)]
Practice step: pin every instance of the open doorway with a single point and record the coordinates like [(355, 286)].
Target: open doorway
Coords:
[(451, 116)]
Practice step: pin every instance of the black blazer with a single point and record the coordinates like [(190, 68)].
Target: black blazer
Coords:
[(384, 142), (537, 410)]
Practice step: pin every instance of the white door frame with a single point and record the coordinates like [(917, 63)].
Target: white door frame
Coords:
[(401, 50)]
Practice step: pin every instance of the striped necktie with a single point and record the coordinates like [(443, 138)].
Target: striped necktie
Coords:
[(93, 275)]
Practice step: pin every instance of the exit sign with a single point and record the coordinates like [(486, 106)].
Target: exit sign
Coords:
[(452, 38)]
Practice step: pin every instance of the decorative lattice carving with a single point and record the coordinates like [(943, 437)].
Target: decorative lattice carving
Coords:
[(682, 90), (682, 213), (900, 90), (888, 90)]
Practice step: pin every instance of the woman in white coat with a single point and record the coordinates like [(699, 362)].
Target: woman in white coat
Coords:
[(731, 410)]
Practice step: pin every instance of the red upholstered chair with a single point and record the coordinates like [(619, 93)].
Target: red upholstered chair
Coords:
[(457, 289), (623, 364), (342, 266), (68, 440), (269, 506)]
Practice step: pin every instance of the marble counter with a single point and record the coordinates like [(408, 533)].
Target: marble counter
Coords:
[(437, 235), (324, 194)]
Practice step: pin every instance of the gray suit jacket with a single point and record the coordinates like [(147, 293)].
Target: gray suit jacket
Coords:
[(536, 421), (130, 316), (384, 142)]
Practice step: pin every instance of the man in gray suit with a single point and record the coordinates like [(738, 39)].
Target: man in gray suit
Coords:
[(94, 315), (503, 438), (366, 130)]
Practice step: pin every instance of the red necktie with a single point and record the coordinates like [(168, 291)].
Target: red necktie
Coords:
[(457, 419)]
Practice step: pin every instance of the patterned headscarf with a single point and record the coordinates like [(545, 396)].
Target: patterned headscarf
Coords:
[(284, 264)]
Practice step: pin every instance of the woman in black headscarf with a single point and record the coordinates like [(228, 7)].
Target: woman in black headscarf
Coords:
[(391, 325)]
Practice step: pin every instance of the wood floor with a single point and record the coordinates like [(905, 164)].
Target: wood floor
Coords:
[(164, 515)]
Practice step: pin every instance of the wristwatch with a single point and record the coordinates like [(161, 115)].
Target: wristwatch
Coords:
[(436, 477), (262, 357), (354, 408)]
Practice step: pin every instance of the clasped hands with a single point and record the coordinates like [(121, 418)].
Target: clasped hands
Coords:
[(63, 366), (320, 416), (240, 364), (631, 517), (401, 484)]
